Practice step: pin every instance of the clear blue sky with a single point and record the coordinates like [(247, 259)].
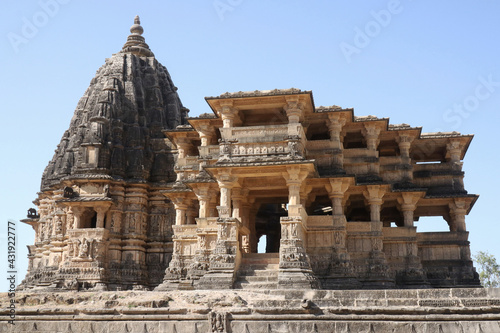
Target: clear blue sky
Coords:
[(425, 63)]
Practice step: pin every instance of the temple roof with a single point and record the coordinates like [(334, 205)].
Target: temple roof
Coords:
[(259, 93), (116, 129)]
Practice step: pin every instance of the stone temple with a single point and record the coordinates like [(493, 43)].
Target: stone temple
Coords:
[(149, 220), (140, 196)]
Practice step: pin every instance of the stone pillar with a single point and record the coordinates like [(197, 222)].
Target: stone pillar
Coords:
[(404, 141), (225, 258), (373, 195), (295, 268), (335, 124), (371, 134), (336, 191), (78, 211), (245, 208), (458, 210), (183, 145), (237, 198), (453, 151), (408, 203), (203, 201), (180, 210), (205, 135), (226, 183), (408, 268), (228, 113), (305, 191), (293, 109), (378, 270), (101, 213), (294, 178), (70, 219), (340, 274)]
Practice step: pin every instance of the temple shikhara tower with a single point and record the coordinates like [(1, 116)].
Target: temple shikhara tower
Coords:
[(140, 196)]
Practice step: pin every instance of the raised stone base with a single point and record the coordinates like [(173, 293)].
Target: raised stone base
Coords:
[(417, 310), (217, 280), (297, 279)]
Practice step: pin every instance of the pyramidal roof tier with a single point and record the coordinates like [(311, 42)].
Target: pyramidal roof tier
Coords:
[(116, 130)]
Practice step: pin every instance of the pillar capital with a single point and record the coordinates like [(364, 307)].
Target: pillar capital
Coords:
[(336, 191), (336, 118), (459, 206), (404, 138), (101, 209), (408, 204), (77, 210), (205, 132), (408, 200), (454, 150), (335, 124), (295, 174), (374, 194), (294, 108), (371, 133), (337, 187), (404, 141), (225, 179), (183, 145), (228, 113)]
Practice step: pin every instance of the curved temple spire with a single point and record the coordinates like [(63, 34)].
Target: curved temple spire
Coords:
[(136, 44)]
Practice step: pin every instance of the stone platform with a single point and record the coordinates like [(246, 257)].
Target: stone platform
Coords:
[(413, 310)]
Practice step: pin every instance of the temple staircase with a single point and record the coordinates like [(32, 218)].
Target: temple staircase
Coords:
[(258, 271)]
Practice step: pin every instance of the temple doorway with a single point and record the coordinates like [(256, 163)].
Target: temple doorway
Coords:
[(267, 226)]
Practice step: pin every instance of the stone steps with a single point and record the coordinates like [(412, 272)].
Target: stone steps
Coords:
[(258, 271)]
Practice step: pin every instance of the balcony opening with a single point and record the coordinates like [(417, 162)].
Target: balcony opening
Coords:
[(263, 117), (432, 224), (354, 140), (88, 219), (388, 148), (318, 131), (356, 210), (391, 216), (321, 206)]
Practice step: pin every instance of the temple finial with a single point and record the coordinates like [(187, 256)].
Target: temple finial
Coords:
[(136, 44), (137, 29)]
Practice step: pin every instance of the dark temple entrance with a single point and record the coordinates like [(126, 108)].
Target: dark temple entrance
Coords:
[(267, 222)]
